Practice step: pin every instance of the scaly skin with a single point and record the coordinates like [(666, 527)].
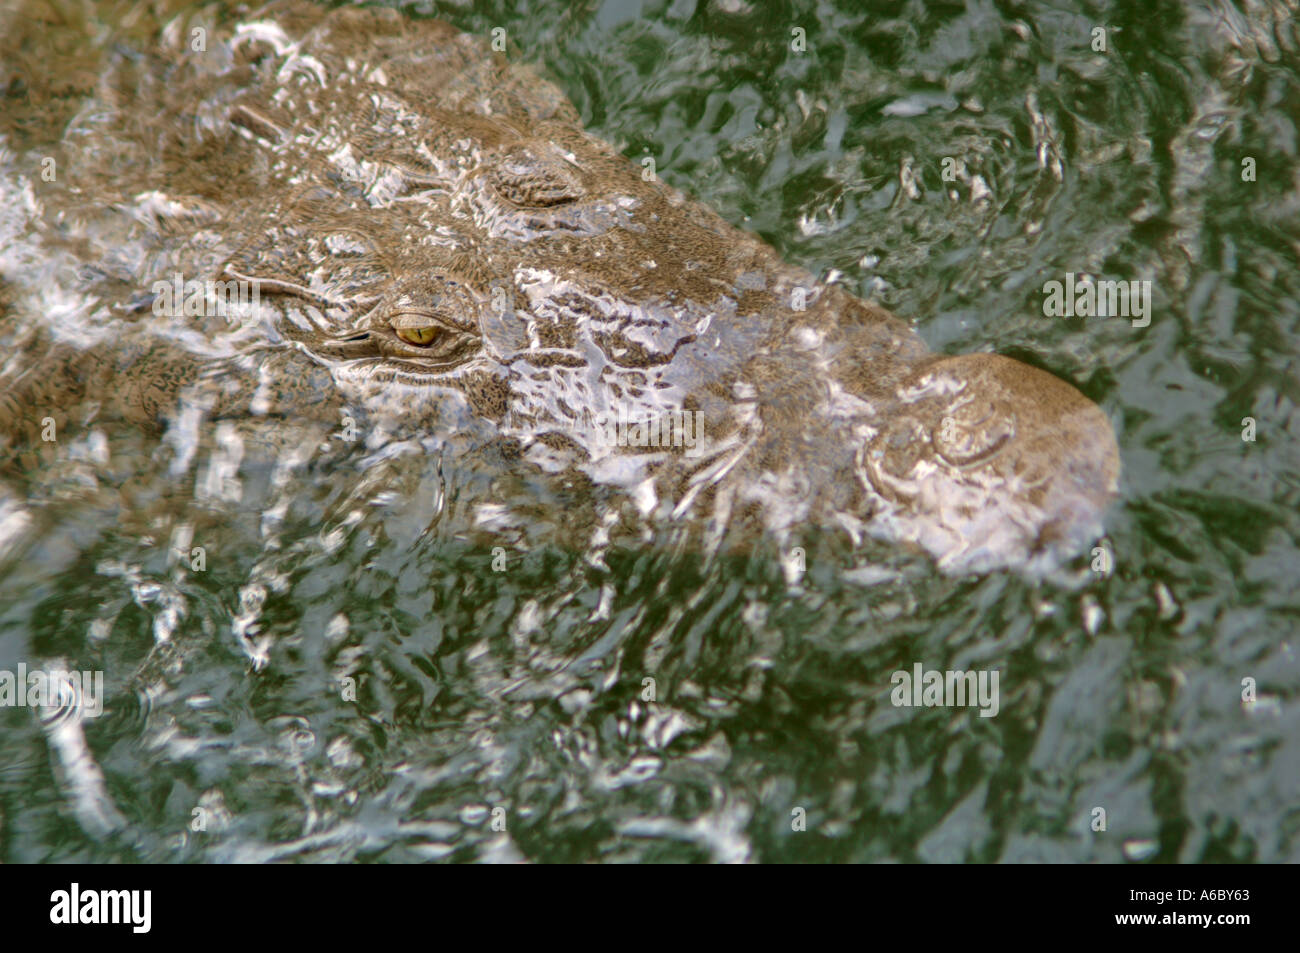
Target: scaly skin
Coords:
[(379, 178)]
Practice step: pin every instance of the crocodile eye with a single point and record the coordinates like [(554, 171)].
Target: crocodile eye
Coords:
[(420, 337), (530, 180), (432, 320)]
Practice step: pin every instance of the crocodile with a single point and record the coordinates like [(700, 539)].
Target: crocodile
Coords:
[(434, 245)]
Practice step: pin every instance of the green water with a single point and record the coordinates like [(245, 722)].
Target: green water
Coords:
[(519, 699)]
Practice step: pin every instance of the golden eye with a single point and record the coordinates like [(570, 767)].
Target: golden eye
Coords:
[(420, 337)]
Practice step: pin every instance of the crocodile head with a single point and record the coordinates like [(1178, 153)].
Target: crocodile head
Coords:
[(431, 225), (460, 253)]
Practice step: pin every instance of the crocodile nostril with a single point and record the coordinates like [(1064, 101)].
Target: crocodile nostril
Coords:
[(972, 434)]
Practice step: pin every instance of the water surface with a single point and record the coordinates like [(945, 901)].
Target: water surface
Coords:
[(522, 698)]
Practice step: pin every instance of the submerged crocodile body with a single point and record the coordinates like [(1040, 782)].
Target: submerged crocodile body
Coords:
[(437, 247)]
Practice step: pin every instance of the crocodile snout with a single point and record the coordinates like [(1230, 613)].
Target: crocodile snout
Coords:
[(988, 462)]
